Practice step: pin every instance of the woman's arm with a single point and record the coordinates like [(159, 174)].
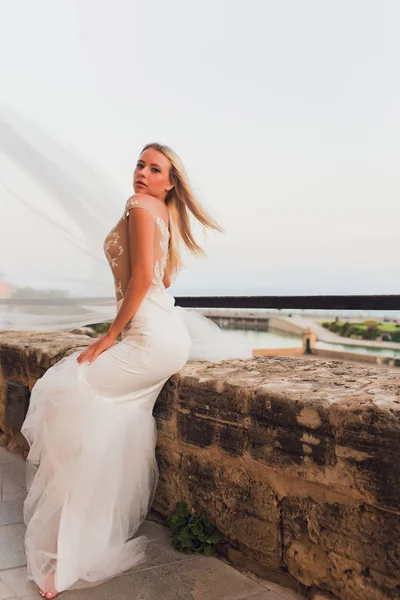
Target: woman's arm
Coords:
[(141, 227)]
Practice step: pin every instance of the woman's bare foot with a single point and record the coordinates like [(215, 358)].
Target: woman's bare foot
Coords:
[(53, 592)]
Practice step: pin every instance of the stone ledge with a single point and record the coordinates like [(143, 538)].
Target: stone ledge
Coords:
[(294, 461)]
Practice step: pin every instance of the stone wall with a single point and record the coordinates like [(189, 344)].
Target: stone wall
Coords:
[(294, 461)]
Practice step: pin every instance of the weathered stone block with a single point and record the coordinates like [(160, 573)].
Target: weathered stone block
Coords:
[(200, 476), (171, 486), (241, 504), (195, 430), (13, 363), (213, 398), (164, 407), (280, 447), (166, 428), (232, 439), (272, 447), (331, 546), (284, 431), (367, 435)]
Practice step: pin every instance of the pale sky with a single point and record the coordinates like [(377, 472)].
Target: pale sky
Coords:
[(285, 114)]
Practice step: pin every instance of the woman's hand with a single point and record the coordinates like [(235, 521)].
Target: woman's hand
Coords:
[(99, 346)]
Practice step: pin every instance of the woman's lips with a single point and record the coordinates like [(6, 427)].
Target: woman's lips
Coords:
[(141, 183)]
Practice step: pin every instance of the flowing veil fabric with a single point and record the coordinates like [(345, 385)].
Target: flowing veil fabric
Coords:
[(56, 209)]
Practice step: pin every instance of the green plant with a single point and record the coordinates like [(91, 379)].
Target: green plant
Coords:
[(358, 329), (395, 336), (371, 322), (192, 532), (371, 333)]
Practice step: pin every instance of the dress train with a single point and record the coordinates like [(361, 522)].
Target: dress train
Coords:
[(91, 468)]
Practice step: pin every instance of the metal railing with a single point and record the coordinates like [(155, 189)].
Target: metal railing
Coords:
[(350, 302)]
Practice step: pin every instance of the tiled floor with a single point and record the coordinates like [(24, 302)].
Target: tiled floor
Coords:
[(166, 574)]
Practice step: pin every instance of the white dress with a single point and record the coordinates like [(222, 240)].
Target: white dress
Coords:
[(91, 469)]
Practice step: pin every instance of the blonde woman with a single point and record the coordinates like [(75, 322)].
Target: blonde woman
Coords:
[(90, 426)]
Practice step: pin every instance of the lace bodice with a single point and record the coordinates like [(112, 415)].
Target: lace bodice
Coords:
[(116, 248)]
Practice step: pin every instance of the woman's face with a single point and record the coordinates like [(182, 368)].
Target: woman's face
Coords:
[(152, 171)]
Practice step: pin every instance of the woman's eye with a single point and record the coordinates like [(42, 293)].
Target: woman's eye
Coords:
[(156, 170)]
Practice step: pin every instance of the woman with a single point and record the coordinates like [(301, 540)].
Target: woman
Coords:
[(90, 426)]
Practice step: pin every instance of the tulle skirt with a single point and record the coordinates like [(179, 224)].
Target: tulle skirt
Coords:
[(91, 468)]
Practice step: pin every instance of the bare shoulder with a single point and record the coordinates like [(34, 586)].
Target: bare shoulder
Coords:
[(140, 199), (144, 197), (152, 204)]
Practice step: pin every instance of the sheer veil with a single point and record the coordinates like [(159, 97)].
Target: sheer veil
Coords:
[(56, 208)]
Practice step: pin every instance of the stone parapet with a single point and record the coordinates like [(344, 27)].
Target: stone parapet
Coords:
[(294, 461)]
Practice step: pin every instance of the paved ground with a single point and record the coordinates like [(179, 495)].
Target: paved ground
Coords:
[(166, 575)]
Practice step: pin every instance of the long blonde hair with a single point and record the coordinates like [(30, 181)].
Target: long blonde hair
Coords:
[(180, 200)]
